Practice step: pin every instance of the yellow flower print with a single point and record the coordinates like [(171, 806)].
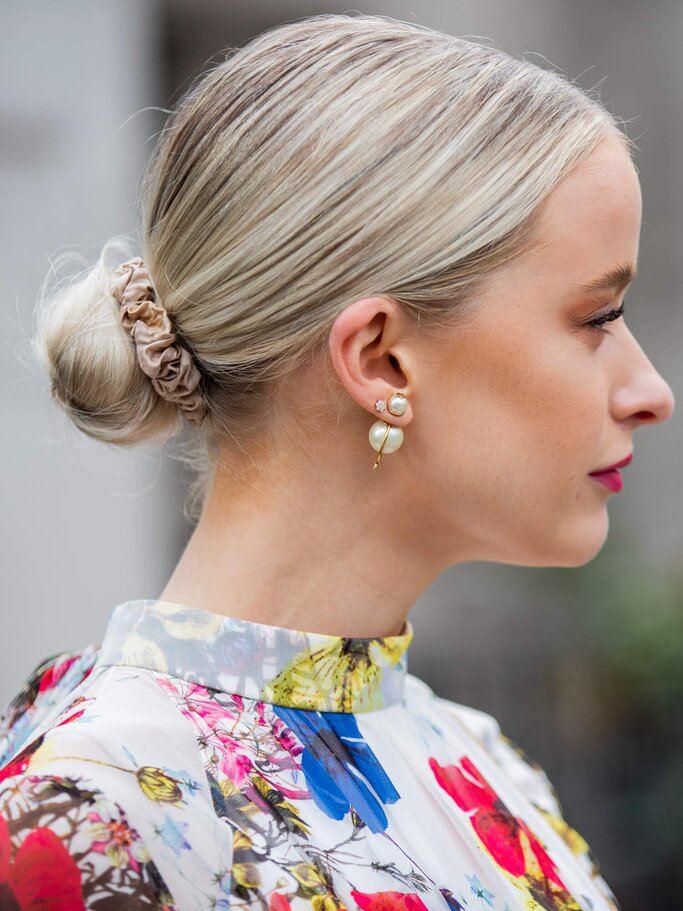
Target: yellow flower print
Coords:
[(138, 651), (245, 875), (228, 788), (314, 886), (285, 810), (326, 903), (390, 649), (308, 876), (158, 785), (155, 783), (240, 841), (573, 839), (338, 677)]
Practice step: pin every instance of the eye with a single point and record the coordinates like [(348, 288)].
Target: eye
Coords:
[(606, 318)]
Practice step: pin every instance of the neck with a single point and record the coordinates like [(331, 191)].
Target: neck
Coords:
[(327, 551)]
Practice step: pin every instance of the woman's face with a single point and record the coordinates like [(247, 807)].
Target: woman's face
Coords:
[(511, 412)]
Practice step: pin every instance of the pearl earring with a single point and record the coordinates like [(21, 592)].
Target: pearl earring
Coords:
[(385, 437)]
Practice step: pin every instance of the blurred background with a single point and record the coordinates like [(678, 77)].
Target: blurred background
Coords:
[(582, 667)]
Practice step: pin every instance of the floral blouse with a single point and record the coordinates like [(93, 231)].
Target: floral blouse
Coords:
[(195, 761)]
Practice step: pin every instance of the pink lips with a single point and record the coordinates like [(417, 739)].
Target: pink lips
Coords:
[(610, 477)]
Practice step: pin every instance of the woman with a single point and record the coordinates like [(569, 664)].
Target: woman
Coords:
[(380, 279)]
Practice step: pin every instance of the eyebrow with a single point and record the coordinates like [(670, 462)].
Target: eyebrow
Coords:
[(617, 278)]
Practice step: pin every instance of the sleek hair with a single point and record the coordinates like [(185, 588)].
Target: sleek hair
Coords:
[(328, 159)]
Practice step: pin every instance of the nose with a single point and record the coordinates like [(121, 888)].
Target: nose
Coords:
[(644, 396)]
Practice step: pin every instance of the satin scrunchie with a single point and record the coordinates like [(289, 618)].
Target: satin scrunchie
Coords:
[(169, 364)]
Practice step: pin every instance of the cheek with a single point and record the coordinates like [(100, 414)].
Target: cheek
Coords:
[(526, 417), (510, 432), (554, 410)]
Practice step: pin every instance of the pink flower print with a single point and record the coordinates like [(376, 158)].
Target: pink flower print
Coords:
[(287, 738), (211, 711), (200, 700), (260, 711), (111, 835), (236, 766), (167, 685)]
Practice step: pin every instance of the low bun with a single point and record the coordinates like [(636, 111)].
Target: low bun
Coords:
[(91, 360)]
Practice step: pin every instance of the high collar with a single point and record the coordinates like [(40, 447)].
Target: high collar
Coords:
[(274, 664)]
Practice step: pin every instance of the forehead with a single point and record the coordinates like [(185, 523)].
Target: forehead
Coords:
[(589, 225), (600, 195)]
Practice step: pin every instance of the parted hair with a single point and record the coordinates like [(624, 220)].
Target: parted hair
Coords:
[(328, 159)]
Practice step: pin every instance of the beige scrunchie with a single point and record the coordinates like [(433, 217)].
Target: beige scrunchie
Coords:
[(174, 374)]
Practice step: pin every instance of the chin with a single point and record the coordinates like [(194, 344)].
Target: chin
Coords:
[(582, 546), (570, 546)]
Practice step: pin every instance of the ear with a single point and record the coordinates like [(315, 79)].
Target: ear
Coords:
[(369, 352)]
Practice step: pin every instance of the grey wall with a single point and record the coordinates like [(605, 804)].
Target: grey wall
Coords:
[(82, 525)]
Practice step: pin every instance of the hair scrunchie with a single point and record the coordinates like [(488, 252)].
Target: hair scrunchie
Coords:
[(174, 374)]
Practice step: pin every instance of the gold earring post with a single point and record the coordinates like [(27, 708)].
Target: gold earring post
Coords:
[(384, 439)]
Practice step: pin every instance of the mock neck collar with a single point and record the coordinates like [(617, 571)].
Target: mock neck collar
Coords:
[(274, 664)]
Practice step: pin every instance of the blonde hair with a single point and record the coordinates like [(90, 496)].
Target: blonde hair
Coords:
[(328, 159)]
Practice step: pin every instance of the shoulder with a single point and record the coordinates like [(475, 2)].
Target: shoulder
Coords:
[(114, 773), (523, 771), (61, 836), (63, 839), (87, 803), (51, 681), (520, 768)]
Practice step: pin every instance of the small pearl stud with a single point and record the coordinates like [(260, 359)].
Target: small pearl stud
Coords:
[(398, 403)]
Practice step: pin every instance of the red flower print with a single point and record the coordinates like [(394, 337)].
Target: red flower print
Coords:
[(388, 901), (493, 822), (21, 761), (71, 718), (279, 903), (54, 673), (42, 875)]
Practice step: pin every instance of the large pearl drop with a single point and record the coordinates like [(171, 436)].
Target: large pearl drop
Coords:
[(376, 435)]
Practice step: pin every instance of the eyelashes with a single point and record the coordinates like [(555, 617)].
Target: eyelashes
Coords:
[(613, 314)]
